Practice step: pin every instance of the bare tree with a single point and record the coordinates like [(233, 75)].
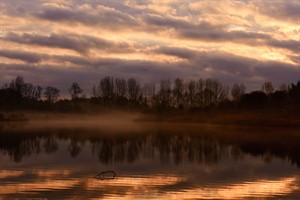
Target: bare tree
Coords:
[(75, 90), (95, 92), (267, 88), (284, 87), (134, 90), (37, 91), (200, 86), (178, 92), (208, 92), (164, 96), (237, 91), (191, 93), (214, 92), (27, 90), (51, 94), (120, 87), (17, 84), (106, 87), (149, 92)]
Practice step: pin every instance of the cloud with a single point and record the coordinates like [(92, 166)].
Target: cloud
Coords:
[(233, 41), (226, 67), (292, 45), (203, 30), (280, 10), (78, 43), (99, 16), (183, 53), (21, 55)]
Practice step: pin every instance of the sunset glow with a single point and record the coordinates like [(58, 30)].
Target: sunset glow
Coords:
[(85, 40), (142, 187)]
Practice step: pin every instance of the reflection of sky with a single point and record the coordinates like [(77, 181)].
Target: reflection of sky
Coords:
[(59, 175)]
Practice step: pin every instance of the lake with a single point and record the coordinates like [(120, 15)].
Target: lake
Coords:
[(150, 161)]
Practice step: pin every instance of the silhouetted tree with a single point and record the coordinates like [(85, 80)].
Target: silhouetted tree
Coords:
[(214, 92), (284, 87), (134, 90), (37, 91), (51, 94), (120, 87), (178, 92), (294, 93), (267, 88), (254, 99), (278, 97), (200, 86), (149, 93), (192, 93), (17, 84), (164, 96), (237, 91), (75, 90), (95, 92), (106, 88), (27, 90), (10, 99)]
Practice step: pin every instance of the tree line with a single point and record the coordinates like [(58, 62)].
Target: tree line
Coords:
[(117, 92)]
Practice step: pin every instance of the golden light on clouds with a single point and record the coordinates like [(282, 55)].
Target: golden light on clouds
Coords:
[(127, 32)]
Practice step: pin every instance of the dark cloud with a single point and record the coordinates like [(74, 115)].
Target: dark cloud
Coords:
[(226, 67), (292, 45), (19, 7), (278, 72), (21, 55), (102, 16), (78, 43), (295, 59), (167, 22), (31, 57), (232, 68), (117, 16), (281, 10), (178, 52), (203, 31)]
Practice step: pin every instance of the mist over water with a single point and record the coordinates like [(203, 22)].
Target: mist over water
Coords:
[(114, 121), (58, 157)]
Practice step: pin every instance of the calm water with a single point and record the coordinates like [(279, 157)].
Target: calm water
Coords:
[(151, 161)]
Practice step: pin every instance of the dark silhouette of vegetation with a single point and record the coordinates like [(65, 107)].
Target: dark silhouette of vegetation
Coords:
[(237, 91), (182, 96), (51, 94), (75, 91)]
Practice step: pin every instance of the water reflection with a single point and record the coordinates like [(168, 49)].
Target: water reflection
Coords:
[(158, 163), (177, 147)]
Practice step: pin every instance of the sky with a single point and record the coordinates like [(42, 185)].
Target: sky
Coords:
[(57, 42)]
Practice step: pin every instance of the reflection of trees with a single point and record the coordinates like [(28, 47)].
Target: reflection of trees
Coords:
[(175, 148), (104, 150), (236, 153), (178, 148), (18, 147), (74, 148), (50, 144)]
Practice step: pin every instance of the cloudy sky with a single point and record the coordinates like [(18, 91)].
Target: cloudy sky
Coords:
[(56, 42)]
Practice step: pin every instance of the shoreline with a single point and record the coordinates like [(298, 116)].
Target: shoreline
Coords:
[(220, 119)]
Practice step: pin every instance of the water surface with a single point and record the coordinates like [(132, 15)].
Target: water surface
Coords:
[(151, 161)]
